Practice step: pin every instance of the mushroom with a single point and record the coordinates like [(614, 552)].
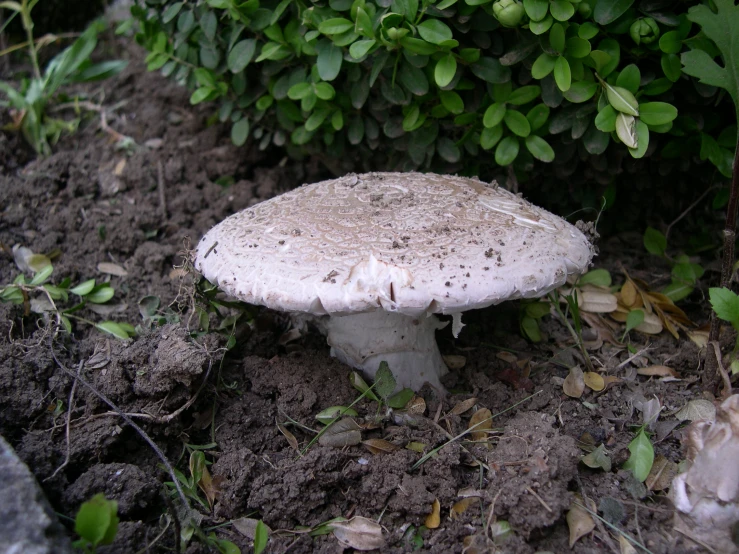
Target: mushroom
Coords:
[(380, 253), (706, 496)]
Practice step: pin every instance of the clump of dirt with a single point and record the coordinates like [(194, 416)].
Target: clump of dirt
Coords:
[(247, 408)]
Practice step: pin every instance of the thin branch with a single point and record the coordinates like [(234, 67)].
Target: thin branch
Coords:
[(70, 407)]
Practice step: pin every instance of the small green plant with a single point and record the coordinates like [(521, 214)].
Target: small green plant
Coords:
[(725, 304), (96, 523), (642, 456), (38, 295), (685, 273), (30, 103)]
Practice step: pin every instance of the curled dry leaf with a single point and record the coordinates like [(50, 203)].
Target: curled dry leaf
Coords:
[(463, 406), (481, 422), (574, 384), (454, 361), (598, 458), (658, 371), (112, 269), (344, 432), (579, 520), (594, 381), (380, 446), (696, 410), (433, 520), (416, 406), (291, 440), (625, 546), (461, 507), (359, 533), (699, 337)]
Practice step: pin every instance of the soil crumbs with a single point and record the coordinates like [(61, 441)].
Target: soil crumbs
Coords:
[(139, 208)]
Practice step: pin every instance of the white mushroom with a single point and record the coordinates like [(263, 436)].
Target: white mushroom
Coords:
[(381, 252), (706, 496)]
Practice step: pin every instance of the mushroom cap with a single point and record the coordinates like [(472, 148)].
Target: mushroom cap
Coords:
[(404, 242)]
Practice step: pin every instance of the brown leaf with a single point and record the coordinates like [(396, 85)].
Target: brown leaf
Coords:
[(359, 533), (433, 520), (463, 406), (416, 406), (461, 507), (344, 432), (579, 521), (481, 422), (515, 379), (594, 381), (609, 380), (379, 446), (658, 371), (661, 475), (574, 384), (629, 296), (112, 269), (454, 361), (625, 546), (697, 409), (291, 440), (209, 486), (699, 337)]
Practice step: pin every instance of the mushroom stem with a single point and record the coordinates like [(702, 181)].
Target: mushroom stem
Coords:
[(406, 343)]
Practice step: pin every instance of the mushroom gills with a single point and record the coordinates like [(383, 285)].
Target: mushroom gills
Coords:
[(406, 343)]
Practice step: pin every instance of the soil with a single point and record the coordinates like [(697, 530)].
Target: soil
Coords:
[(141, 208)]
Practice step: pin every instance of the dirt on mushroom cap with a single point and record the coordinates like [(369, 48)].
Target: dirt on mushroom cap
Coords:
[(408, 242)]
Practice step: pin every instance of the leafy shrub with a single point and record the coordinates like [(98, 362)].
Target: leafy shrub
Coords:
[(459, 85)]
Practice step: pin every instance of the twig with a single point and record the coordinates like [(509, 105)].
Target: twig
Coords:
[(70, 407), (688, 210), (127, 419), (539, 498), (161, 190), (726, 393), (632, 540)]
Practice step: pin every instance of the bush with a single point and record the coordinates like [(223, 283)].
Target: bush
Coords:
[(460, 85)]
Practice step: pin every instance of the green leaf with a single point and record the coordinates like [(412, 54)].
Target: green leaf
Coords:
[(671, 42), (241, 54), (434, 31), (561, 10), (273, 51), (489, 137), (524, 95), (384, 381), (629, 78), (261, 534), (541, 27), (452, 101), (726, 304), (610, 47), (42, 276), (171, 12), (97, 520), (299, 91), (557, 38), (622, 100), (634, 319), (201, 95), (324, 91), (316, 119), (655, 242), (329, 60), (587, 31), (606, 119), (335, 26), (562, 74), (100, 294), (657, 113), (543, 66), (240, 131), (642, 456), (517, 123), (581, 91), (414, 79), (360, 48), (491, 70), (83, 288), (400, 399), (671, 67), (642, 137), (723, 29), (577, 47), (448, 150), (445, 69), (598, 458), (538, 116), (608, 11), (598, 277), (112, 328), (418, 46), (506, 151), (536, 9), (539, 148)]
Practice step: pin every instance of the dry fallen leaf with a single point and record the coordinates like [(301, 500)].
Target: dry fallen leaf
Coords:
[(509, 357), (625, 545), (291, 440), (597, 301), (463, 406), (112, 269), (594, 381), (579, 520), (433, 520), (481, 422), (359, 533), (661, 475), (574, 384), (344, 432), (696, 410), (461, 507), (416, 406), (454, 361), (379, 446), (658, 371)]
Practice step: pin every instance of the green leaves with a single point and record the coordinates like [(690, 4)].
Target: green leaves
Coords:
[(434, 31), (241, 54), (445, 69), (608, 11), (507, 151), (726, 305), (722, 28), (335, 26), (329, 60), (655, 242), (642, 456), (539, 148), (622, 99), (96, 522)]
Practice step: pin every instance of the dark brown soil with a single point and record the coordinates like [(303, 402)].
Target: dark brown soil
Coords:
[(140, 208)]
